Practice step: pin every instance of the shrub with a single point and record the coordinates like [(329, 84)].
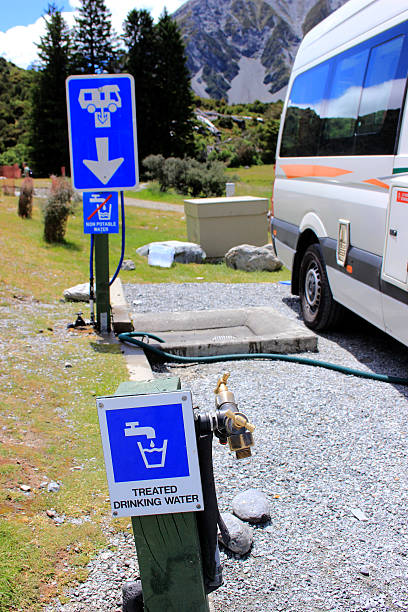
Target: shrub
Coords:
[(25, 201), (57, 209), (188, 176)]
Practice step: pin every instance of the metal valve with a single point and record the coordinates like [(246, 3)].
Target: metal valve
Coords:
[(227, 423)]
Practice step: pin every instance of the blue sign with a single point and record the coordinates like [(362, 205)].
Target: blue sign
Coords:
[(101, 212), (102, 131), (147, 443)]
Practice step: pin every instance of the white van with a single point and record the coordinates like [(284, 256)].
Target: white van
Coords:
[(340, 201)]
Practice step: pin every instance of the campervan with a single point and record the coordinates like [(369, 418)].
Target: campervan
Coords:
[(339, 216)]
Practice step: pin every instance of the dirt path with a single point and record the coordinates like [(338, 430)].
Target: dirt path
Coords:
[(154, 205)]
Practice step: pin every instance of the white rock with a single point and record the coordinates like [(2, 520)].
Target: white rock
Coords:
[(251, 258), (241, 537), (184, 252), (252, 506), (128, 264), (53, 487), (78, 293)]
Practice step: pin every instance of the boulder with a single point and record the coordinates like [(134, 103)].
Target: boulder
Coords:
[(241, 538), (184, 252), (78, 293), (128, 264), (252, 506), (251, 258)]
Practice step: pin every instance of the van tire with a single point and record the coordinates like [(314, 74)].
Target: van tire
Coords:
[(319, 310)]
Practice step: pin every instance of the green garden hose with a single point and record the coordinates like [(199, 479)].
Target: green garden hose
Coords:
[(131, 338)]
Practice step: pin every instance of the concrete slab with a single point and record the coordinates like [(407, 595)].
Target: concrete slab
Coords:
[(121, 321), (220, 332)]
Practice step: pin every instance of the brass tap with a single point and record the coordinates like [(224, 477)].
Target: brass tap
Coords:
[(222, 382), (223, 394), (235, 428)]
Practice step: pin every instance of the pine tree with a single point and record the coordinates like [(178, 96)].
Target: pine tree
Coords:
[(174, 105), (49, 129), (164, 101), (94, 39), (140, 61)]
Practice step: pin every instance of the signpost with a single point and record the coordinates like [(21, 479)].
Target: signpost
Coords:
[(103, 153), (145, 424)]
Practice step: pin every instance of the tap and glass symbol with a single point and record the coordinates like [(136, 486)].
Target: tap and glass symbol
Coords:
[(148, 443), (153, 457)]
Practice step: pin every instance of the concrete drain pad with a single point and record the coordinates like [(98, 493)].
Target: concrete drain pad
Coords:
[(220, 332)]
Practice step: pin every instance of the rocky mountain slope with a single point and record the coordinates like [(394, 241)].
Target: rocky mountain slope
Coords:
[(242, 50)]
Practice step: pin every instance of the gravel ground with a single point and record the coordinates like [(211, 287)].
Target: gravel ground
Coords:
[(328, 447)]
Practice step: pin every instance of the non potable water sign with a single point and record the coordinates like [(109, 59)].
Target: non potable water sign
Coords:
[(102, 131), (101, 212), (150, 453)]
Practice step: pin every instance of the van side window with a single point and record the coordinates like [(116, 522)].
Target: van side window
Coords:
[(341, 109), (351, 103), (303, 115), (381, 100)]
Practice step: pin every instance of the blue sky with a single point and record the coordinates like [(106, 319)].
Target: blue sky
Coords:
[(21, 23), (24, 12)]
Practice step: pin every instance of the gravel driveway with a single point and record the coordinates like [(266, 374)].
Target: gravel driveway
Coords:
[(331, 455)]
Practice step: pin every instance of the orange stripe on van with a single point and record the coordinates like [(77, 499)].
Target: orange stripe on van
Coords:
[(377, 183), (303, 171)]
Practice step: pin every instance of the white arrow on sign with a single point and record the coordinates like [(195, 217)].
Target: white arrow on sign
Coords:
[(103, 168)]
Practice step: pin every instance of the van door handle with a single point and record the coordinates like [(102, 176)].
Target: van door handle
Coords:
[(393, 232)]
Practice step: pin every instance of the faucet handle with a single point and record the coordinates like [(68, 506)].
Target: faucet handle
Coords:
[(222, 382), (240, 420)]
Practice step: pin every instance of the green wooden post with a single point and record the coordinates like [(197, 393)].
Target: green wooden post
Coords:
[(101, 242), (167, 545)]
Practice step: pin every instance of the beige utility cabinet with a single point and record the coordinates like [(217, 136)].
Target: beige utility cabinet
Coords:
[(217, 224)]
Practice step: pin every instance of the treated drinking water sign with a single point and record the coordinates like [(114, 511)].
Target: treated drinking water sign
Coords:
[(150, 453), (101, 212), (102, 131)]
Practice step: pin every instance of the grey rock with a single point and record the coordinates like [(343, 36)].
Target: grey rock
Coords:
[(132, 597), (184, 252), (251, 258), (252, 506), (128, 264), (53, 487), (78, 293), (241, 536)]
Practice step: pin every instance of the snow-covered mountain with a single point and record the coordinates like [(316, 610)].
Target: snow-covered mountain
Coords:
[(242, 50)]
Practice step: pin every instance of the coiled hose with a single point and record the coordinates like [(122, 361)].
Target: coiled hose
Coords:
[(131, 338)]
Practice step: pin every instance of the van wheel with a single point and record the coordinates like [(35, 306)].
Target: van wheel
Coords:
[(319, 310)]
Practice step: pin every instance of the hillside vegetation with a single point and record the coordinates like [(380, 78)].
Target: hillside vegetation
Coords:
[(15, 105)]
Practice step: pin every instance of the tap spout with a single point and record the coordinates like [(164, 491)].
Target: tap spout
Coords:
[(133, 429)]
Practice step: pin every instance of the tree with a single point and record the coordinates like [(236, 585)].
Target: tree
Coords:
[(49, 129), (140, 60), (174, 107), (94, 39), (156, 58)]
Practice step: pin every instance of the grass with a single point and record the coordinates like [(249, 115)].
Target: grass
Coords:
[(48, 422), (44, 270)]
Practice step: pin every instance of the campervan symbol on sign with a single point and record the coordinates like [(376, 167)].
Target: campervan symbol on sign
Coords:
[(101, 102)]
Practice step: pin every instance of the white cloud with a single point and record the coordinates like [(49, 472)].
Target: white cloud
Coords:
[(17, 44)]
